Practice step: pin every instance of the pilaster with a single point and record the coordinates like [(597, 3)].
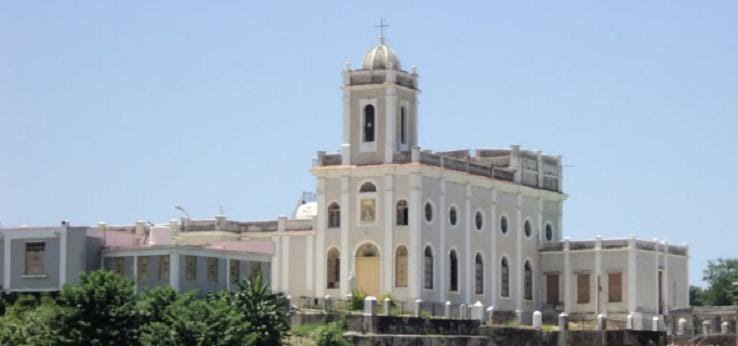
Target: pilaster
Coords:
[(276, 266), (567, 277), (346, 143), (63, 248), (174, 270), (440, 253), (467, 245), (390, 125), (632, 274), (320, 259), (285, 284), (388, 269), (517, 269), (346, 255), (415, 259), (598, 276), (493, 262), (310, 263)]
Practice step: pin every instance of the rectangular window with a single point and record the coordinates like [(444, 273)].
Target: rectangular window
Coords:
[(582, 288), (35, 258), (164, 267), (143, 269), (615, 287), (212, 269), (552, 289), (118, 265), (256, 270), (191, 268), (235, 269)]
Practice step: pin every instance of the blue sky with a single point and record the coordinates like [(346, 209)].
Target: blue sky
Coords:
[(117, 111)]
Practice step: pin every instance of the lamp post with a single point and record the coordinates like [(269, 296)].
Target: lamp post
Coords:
[(179, 207)]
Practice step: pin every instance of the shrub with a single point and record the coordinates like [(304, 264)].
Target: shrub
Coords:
[(331, 334), (357, 299)]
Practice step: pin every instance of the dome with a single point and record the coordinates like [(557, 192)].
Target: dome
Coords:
[(381, 57), (306, 211)]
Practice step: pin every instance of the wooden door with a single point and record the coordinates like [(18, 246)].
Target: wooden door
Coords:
[(552, 289), (367, 275)]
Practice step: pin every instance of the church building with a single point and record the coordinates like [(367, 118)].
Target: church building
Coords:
[(461, 226)]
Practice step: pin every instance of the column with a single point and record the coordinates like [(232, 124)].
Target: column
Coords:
[(320, 260), (390, 137), (493, 247), (632, 274), (174, 271), (346, 254), (567, 277), (415, 256), (467, 245), (388, 253), (518, 267), (440, 253)]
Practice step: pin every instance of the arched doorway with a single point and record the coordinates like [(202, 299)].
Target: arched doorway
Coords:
[(367, 269)]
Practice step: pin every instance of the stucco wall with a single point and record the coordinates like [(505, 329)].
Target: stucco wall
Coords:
[(50, 279)]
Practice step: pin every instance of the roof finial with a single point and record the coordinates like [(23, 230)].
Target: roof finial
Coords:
[(381, 26)]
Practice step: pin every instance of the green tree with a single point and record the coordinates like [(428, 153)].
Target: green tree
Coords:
[(696, 296), (190, 321), (720, 275), (266, 312), (154, 304), (101, 310), (30, 321)]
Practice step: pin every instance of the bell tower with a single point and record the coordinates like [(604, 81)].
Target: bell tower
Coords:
[(379, 109)]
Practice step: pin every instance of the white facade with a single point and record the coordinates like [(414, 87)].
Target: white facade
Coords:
[(362, 192)]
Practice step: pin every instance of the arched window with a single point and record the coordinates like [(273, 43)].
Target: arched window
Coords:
[(452, 216), (527, 228), (428, 269), (401, 267), (504, 278), (503, 225), (334, 215), (453, 263), (428, 212), (528, 281), (368, 123), (367, 187), (403, 126), (333, 262), (478, 274), (549, 232), (402, 216)]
